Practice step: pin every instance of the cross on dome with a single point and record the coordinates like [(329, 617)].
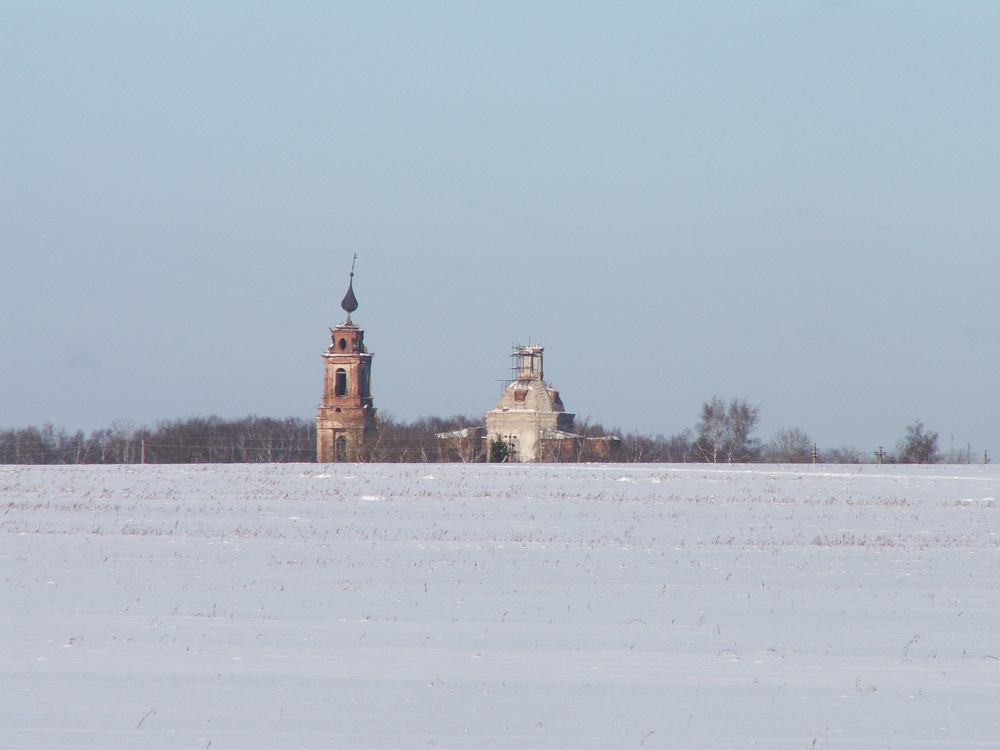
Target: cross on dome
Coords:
[(350, 302)]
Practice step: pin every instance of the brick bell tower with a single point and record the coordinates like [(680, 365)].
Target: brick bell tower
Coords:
[(346, 425)]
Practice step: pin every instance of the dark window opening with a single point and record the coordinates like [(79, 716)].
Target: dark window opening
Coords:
[(340, 447), (343, 344), (340, 386)]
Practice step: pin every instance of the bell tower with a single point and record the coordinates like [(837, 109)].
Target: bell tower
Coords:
[(346, 423)]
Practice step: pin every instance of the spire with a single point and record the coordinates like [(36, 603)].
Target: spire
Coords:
[(350, 302)]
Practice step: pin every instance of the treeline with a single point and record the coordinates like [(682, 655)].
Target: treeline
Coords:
[(725, 433), (197, 440), (213, 439)]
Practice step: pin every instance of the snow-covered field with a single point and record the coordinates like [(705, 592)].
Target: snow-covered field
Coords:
[(474, 606)]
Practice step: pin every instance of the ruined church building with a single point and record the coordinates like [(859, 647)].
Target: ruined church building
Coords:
[(529, 423)]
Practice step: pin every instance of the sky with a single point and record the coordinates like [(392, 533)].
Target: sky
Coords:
[(791, 203)]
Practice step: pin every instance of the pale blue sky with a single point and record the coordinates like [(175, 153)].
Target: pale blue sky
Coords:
[(795, 203)]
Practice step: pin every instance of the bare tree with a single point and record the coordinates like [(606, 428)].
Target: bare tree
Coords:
[(846, 454), (918, 446), (711, 430), (789, 446), (725, 433), (742, 421)]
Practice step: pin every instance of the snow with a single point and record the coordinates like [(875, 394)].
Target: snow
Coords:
[(482, 606)]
